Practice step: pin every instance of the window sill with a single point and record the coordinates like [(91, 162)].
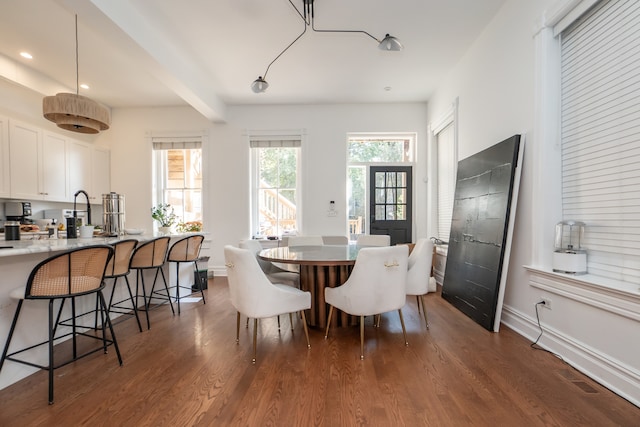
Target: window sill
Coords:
[(617, 297)]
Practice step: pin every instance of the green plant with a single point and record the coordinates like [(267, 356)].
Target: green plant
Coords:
[(164, 214)]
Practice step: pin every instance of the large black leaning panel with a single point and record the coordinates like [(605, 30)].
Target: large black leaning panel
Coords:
[(479, 227)]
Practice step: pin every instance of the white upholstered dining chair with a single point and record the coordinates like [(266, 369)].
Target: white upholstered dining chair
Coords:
[(377, 284), (419, 281), (254, 296), (305, 241), (335, 240), (274, 273), (373, 240)]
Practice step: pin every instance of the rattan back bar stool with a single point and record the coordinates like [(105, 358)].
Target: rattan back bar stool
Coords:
[(117, 268), (185, 250), (68, 274), (150, 255)]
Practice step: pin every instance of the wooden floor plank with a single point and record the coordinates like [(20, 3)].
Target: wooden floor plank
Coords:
[(188, 370)]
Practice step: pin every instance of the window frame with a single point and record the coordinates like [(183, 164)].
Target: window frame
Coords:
[(157, 169), (545, 155), (413, 143), (276, 139)]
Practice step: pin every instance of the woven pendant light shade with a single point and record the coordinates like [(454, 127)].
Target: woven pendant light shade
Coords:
[(76, 113)]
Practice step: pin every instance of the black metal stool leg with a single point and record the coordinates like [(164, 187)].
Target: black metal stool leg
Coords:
[(51, 334), (11, 330), (140, 278), (177, 286), (135, 308), (113, 335), (166, 287)]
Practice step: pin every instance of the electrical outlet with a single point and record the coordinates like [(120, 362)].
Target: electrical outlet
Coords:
[(546, 302)]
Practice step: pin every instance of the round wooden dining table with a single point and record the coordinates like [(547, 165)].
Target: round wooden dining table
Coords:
[(320, 267)]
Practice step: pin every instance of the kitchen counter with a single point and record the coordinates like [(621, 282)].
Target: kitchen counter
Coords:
[(17, 262), (26, 247)]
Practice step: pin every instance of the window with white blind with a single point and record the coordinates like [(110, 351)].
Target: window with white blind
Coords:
[(600, 60), (177, 166), (445, 144), (444, 137), (275, 185)]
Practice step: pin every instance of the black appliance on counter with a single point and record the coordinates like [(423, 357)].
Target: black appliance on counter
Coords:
[(18, 211)]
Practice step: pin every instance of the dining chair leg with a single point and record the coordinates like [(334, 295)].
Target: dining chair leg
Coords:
[(255, 339), (247, 326), (304, 325), (424, 312), (361, 337), (326, 333), (278, 322), (376, 320), (238, 327), (291, 321), (404, 330)]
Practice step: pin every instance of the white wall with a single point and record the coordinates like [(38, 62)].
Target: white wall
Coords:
[(227, 200), (497, 84)]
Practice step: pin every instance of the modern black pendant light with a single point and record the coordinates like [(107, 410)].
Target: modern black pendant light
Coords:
[(388, 43)]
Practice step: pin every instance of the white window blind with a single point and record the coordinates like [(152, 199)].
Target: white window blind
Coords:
[(446, 179), (176, 143), (275, 143), (601, 135)]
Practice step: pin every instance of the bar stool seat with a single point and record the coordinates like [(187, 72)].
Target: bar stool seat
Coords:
[(185, 250), (69, 274), (150, 255)]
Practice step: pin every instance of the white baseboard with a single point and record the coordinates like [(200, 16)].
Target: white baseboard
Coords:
[(218, 271), (612, 374)]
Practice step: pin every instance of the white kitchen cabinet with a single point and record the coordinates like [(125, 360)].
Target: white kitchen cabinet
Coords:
[(38, 164), (101, 173), (5, 175), (24, 150), (79, 168), (54, 168)]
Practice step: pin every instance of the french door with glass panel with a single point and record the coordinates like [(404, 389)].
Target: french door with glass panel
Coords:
[(390, 203)]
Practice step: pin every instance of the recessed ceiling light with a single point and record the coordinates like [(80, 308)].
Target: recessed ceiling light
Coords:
[(387, 88), (84, 86), (26, 55)]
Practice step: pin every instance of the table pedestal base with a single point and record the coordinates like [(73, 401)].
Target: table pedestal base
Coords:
[(314, 278)]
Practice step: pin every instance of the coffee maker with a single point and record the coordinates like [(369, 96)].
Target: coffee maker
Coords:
[(18, 211)]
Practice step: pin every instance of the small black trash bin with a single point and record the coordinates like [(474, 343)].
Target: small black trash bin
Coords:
[(201, 275)]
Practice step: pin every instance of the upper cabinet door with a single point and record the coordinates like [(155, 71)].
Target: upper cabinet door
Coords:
[(5, 175), (101, 170), (79, 168), (54, 168), (24, 152)]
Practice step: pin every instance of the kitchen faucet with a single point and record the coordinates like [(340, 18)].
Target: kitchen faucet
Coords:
[(75, 212)]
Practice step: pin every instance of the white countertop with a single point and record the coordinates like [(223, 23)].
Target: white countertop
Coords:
[(25, 247)]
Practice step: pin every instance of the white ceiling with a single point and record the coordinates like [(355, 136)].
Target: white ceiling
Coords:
[(206, 53)]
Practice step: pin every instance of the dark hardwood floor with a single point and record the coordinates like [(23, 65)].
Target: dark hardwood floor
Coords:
[(187, 370)]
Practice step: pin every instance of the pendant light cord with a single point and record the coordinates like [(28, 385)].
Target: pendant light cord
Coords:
[(77, 72)]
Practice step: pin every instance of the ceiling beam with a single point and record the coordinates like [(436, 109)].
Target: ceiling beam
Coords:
[(171, 65)]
